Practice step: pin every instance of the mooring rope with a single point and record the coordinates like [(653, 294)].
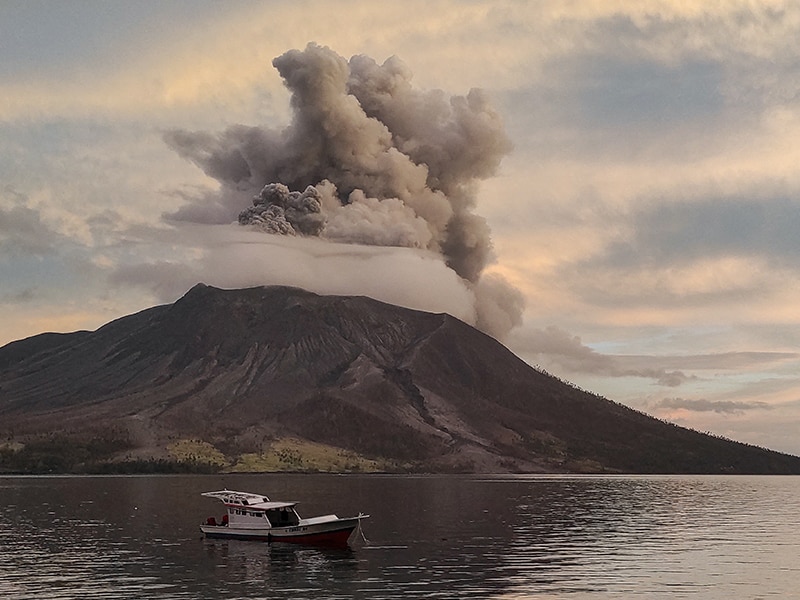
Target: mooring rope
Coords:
[(361, 531)]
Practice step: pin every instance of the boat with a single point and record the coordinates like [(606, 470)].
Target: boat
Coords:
[(255, 517)]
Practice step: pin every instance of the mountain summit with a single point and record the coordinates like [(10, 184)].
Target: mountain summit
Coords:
[(235, 374)]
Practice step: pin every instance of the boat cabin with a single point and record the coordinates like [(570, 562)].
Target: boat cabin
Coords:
[(256, 517), (251, 511)]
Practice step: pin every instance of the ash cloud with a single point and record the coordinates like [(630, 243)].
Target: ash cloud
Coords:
[(277, 210), (366, 159)]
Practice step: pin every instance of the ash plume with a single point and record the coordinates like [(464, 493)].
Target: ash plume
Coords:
[(367, 159)]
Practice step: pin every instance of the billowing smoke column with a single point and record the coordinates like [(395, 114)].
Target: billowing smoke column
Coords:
[(367, 159)]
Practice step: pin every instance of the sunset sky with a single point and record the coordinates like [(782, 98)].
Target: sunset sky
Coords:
[(649, 211)]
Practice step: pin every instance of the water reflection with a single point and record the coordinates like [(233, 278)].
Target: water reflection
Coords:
[(651, 536), (437, 537), (279, 565)]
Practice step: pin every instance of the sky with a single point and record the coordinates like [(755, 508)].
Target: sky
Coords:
[(610, 188)]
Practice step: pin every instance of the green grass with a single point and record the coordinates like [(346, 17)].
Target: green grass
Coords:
[(192, 450), (291, 454)]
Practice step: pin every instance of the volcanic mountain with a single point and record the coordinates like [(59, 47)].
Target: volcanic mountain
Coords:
[(236, 373)]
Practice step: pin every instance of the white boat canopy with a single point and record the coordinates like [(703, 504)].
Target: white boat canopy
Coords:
[(256, 501)]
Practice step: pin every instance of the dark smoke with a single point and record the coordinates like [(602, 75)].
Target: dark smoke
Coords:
[(367, 159), (277, 210)]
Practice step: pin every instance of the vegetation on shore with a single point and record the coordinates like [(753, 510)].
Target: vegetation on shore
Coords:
[(292, 454), (60, 454)]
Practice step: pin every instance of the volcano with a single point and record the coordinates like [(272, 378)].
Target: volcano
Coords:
[(239, 372)]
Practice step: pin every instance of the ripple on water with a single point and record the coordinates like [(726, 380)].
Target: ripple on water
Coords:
[(576, 537)]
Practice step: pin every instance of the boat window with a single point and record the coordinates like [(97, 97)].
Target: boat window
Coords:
[(282, 517)]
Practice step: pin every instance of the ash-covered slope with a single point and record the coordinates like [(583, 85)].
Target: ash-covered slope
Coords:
[(236, 368)]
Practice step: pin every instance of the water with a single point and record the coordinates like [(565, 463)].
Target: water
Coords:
[(428, 537)]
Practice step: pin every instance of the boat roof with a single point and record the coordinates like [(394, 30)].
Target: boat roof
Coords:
[(258, 501)]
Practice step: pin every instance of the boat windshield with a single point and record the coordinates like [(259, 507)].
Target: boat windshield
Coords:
[(283, 517)]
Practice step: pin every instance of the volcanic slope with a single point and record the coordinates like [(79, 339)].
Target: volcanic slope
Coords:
[(237, 369)]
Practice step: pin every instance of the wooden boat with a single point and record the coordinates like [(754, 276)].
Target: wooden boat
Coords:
[(255, 517)]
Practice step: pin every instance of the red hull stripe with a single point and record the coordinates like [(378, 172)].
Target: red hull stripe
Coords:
[(328, 537), (337, 537)]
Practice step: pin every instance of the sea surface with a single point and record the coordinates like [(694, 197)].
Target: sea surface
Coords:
[(541, 537)]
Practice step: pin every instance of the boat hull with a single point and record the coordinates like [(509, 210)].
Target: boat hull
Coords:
[(330, 533)]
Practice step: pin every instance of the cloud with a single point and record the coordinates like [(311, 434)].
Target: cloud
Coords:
[(650, 139), (184, 59), (677, 231), (556, 349), (729, 361), (79, 61), (716, 406), (22, 296), (229, 256), (643, 97), (363, 128), (366, 159), (674, 258), (22, 230), (566, 355)]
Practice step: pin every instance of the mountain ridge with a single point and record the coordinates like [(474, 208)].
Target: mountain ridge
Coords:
[(240, 370)]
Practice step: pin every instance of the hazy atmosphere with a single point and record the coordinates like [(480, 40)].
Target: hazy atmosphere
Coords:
[(609, 188)]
